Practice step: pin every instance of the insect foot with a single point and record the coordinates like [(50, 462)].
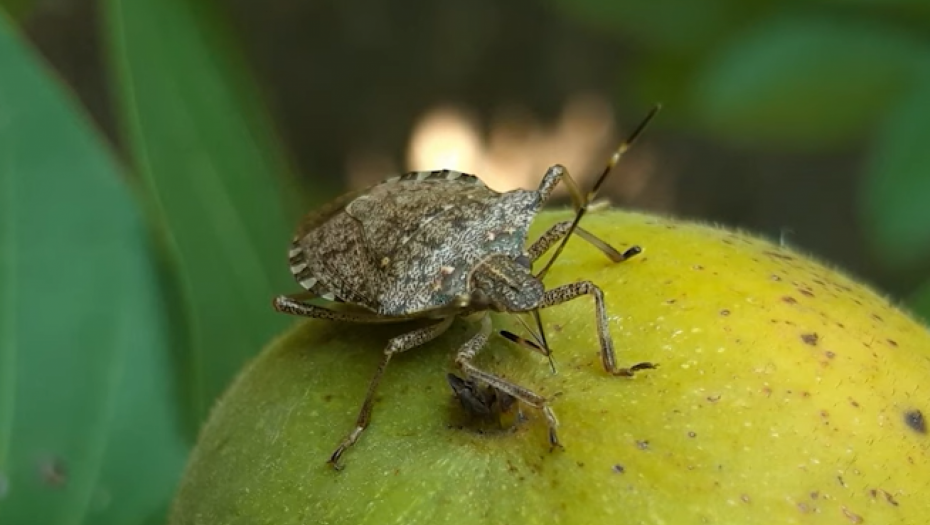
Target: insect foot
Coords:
[(435, 246)]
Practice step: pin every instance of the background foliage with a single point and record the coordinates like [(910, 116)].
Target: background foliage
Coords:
[(146, 200)]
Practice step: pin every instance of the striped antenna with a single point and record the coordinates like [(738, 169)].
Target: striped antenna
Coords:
[(614, 159)]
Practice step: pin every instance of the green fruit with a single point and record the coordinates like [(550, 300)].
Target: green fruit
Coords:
[(785, 393)]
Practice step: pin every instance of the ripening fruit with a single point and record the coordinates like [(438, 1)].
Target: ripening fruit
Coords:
[(786, 393)]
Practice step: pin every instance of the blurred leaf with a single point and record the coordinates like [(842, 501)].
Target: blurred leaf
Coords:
[(920, 302), (89, 431), (805, 82), (16, 9), (208, 158), (908, 13), (896, 188), (665, 78), (671, 26), (916, 5)]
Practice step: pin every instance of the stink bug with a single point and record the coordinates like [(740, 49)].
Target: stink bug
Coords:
[(440, 245)]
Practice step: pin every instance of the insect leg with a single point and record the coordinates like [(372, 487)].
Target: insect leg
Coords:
[(559, 230), (556, 174), (292, 304), (571, 291), (399, 344), (463, 360)]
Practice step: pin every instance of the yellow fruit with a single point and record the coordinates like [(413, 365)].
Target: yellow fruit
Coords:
[(785, 393)]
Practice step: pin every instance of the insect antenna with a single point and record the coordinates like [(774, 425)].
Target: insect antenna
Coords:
[(583, 207), (522, 341)]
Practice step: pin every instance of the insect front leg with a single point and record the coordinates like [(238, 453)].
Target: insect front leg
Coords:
[(463, 359), (559, 230), (556, 174), (571, 291), (399, 344)]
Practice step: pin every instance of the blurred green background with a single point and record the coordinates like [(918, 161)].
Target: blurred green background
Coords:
[(155, 156)]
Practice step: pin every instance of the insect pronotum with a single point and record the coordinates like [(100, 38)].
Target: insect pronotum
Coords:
[(440, 245)]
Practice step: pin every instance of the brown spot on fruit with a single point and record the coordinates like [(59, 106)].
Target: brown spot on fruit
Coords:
[(810, 339), (892, 342), (889, 498), (790, 300), (779, 255), (851, 516), (724, 312), (915, 420), (806, 293)]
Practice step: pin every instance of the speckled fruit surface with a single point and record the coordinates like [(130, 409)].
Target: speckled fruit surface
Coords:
[(785, 393)]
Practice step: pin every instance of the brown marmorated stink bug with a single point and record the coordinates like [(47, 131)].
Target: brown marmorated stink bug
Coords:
[(440, 245)]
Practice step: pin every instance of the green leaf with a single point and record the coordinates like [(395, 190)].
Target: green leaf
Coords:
[(207, 156), (804, 81), (895, 192), (89, 431)]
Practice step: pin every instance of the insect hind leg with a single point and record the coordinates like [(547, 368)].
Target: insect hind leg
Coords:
[(463, 360)]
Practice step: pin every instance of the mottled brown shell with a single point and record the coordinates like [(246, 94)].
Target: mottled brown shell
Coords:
[(406, 246)]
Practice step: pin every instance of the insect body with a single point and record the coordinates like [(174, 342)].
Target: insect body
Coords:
[(440, 245)]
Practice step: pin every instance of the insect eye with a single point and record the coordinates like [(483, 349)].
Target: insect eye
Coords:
[(523, 261)]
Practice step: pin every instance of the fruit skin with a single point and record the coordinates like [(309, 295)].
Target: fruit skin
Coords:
[(786, 393)]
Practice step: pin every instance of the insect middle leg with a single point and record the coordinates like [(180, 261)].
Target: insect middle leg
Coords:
[(571, 291), (463, 359)]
